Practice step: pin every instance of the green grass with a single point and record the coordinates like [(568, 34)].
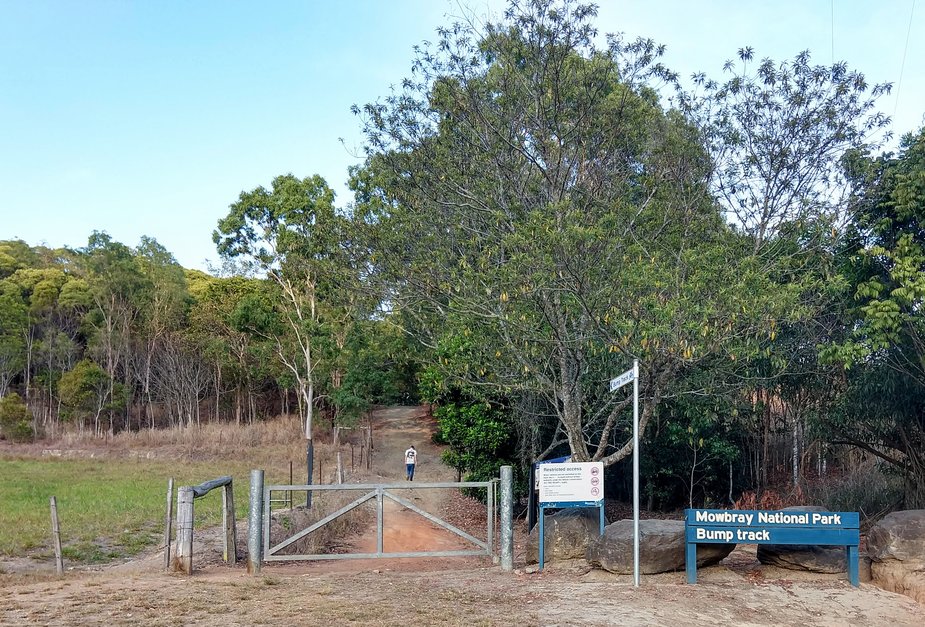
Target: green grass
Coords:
[(107, 508)]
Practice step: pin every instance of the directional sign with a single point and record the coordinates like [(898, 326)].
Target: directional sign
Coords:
[(623, 379)]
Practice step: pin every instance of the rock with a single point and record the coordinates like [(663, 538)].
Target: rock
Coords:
[(809, 557), (896, 546), (661, 548), (568, 533)]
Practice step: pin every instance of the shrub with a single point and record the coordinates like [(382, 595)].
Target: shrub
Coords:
[(865, 489), (15, 418)]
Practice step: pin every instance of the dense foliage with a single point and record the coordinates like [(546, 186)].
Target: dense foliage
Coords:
[(108, 338)]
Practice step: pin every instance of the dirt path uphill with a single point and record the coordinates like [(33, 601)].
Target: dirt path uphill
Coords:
[(404, 530)]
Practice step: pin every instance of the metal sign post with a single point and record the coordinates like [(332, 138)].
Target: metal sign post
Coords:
[(579, 484), (616, 384)]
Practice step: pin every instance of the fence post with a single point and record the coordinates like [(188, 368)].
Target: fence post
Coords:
[(56, 536), (492, 504), (231, 532), (184, 560), (167, 524), (507, 518), (255, 524)]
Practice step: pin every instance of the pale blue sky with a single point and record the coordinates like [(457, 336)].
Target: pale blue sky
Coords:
[(149, 118)]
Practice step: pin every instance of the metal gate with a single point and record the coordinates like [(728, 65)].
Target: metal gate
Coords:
[(380, 492)]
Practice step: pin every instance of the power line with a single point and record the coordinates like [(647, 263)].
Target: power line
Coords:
[(902, 67)]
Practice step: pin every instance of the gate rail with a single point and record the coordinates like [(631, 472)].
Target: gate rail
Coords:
[(379, 491)]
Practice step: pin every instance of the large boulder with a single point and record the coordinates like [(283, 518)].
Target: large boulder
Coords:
[(809, 557), (568, 533), (661, 548), (896, 546)]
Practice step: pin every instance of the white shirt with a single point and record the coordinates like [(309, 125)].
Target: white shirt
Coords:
[(411, 456)]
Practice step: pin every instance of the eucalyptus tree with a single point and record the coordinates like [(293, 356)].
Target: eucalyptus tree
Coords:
[(87, 391), (13, 322), (48, 347), (527, 191), (215, 321), (291, 234), (161, 311), (116, 284)]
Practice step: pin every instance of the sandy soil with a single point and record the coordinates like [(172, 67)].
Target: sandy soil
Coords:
[(436, 591)]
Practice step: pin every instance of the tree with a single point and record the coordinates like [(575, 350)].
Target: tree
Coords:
[(116, 284), (884, 351), (13, 322), (162, 308), (217, 322), (526, 187), (290, 233), (87, 391), (777, 135)]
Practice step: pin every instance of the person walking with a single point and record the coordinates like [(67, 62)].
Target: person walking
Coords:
[(411, 458)]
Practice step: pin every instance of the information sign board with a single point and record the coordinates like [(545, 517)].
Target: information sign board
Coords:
[(576, 484)]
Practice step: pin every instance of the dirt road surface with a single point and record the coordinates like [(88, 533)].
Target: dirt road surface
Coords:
[(448, 591)]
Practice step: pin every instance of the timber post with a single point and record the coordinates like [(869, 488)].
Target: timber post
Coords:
[(183, 561), (168, 521), (231, 532), (56, 536)]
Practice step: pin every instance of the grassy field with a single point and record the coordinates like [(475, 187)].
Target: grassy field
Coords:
[(113, 505), (107, 508)]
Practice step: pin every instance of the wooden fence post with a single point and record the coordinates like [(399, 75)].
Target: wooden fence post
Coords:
[(231, 532), (56, 535), (183, 561), (168, 521)]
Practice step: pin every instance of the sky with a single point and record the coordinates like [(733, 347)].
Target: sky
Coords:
[(150, 118)]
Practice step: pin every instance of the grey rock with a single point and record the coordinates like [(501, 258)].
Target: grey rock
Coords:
[(896, 547), (807, 557), (661, 548), (568, 533)]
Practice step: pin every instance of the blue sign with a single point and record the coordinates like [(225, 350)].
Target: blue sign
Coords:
[(715, 526)]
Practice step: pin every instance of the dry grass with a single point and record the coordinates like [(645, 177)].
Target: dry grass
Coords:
[(270, 445), (332, 536)]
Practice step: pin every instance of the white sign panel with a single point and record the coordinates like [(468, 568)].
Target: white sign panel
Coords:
[(571, 482), (623, 379)]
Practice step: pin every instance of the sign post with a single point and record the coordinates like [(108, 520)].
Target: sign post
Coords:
[(569, 485), (616, 384), (787, 527)]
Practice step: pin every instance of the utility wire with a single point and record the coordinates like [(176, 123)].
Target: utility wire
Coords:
[(902, 67)]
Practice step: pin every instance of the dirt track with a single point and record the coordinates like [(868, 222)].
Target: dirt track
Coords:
[(436, 591)]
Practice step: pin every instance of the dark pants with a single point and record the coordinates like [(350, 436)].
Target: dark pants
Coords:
[(409, 468)]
